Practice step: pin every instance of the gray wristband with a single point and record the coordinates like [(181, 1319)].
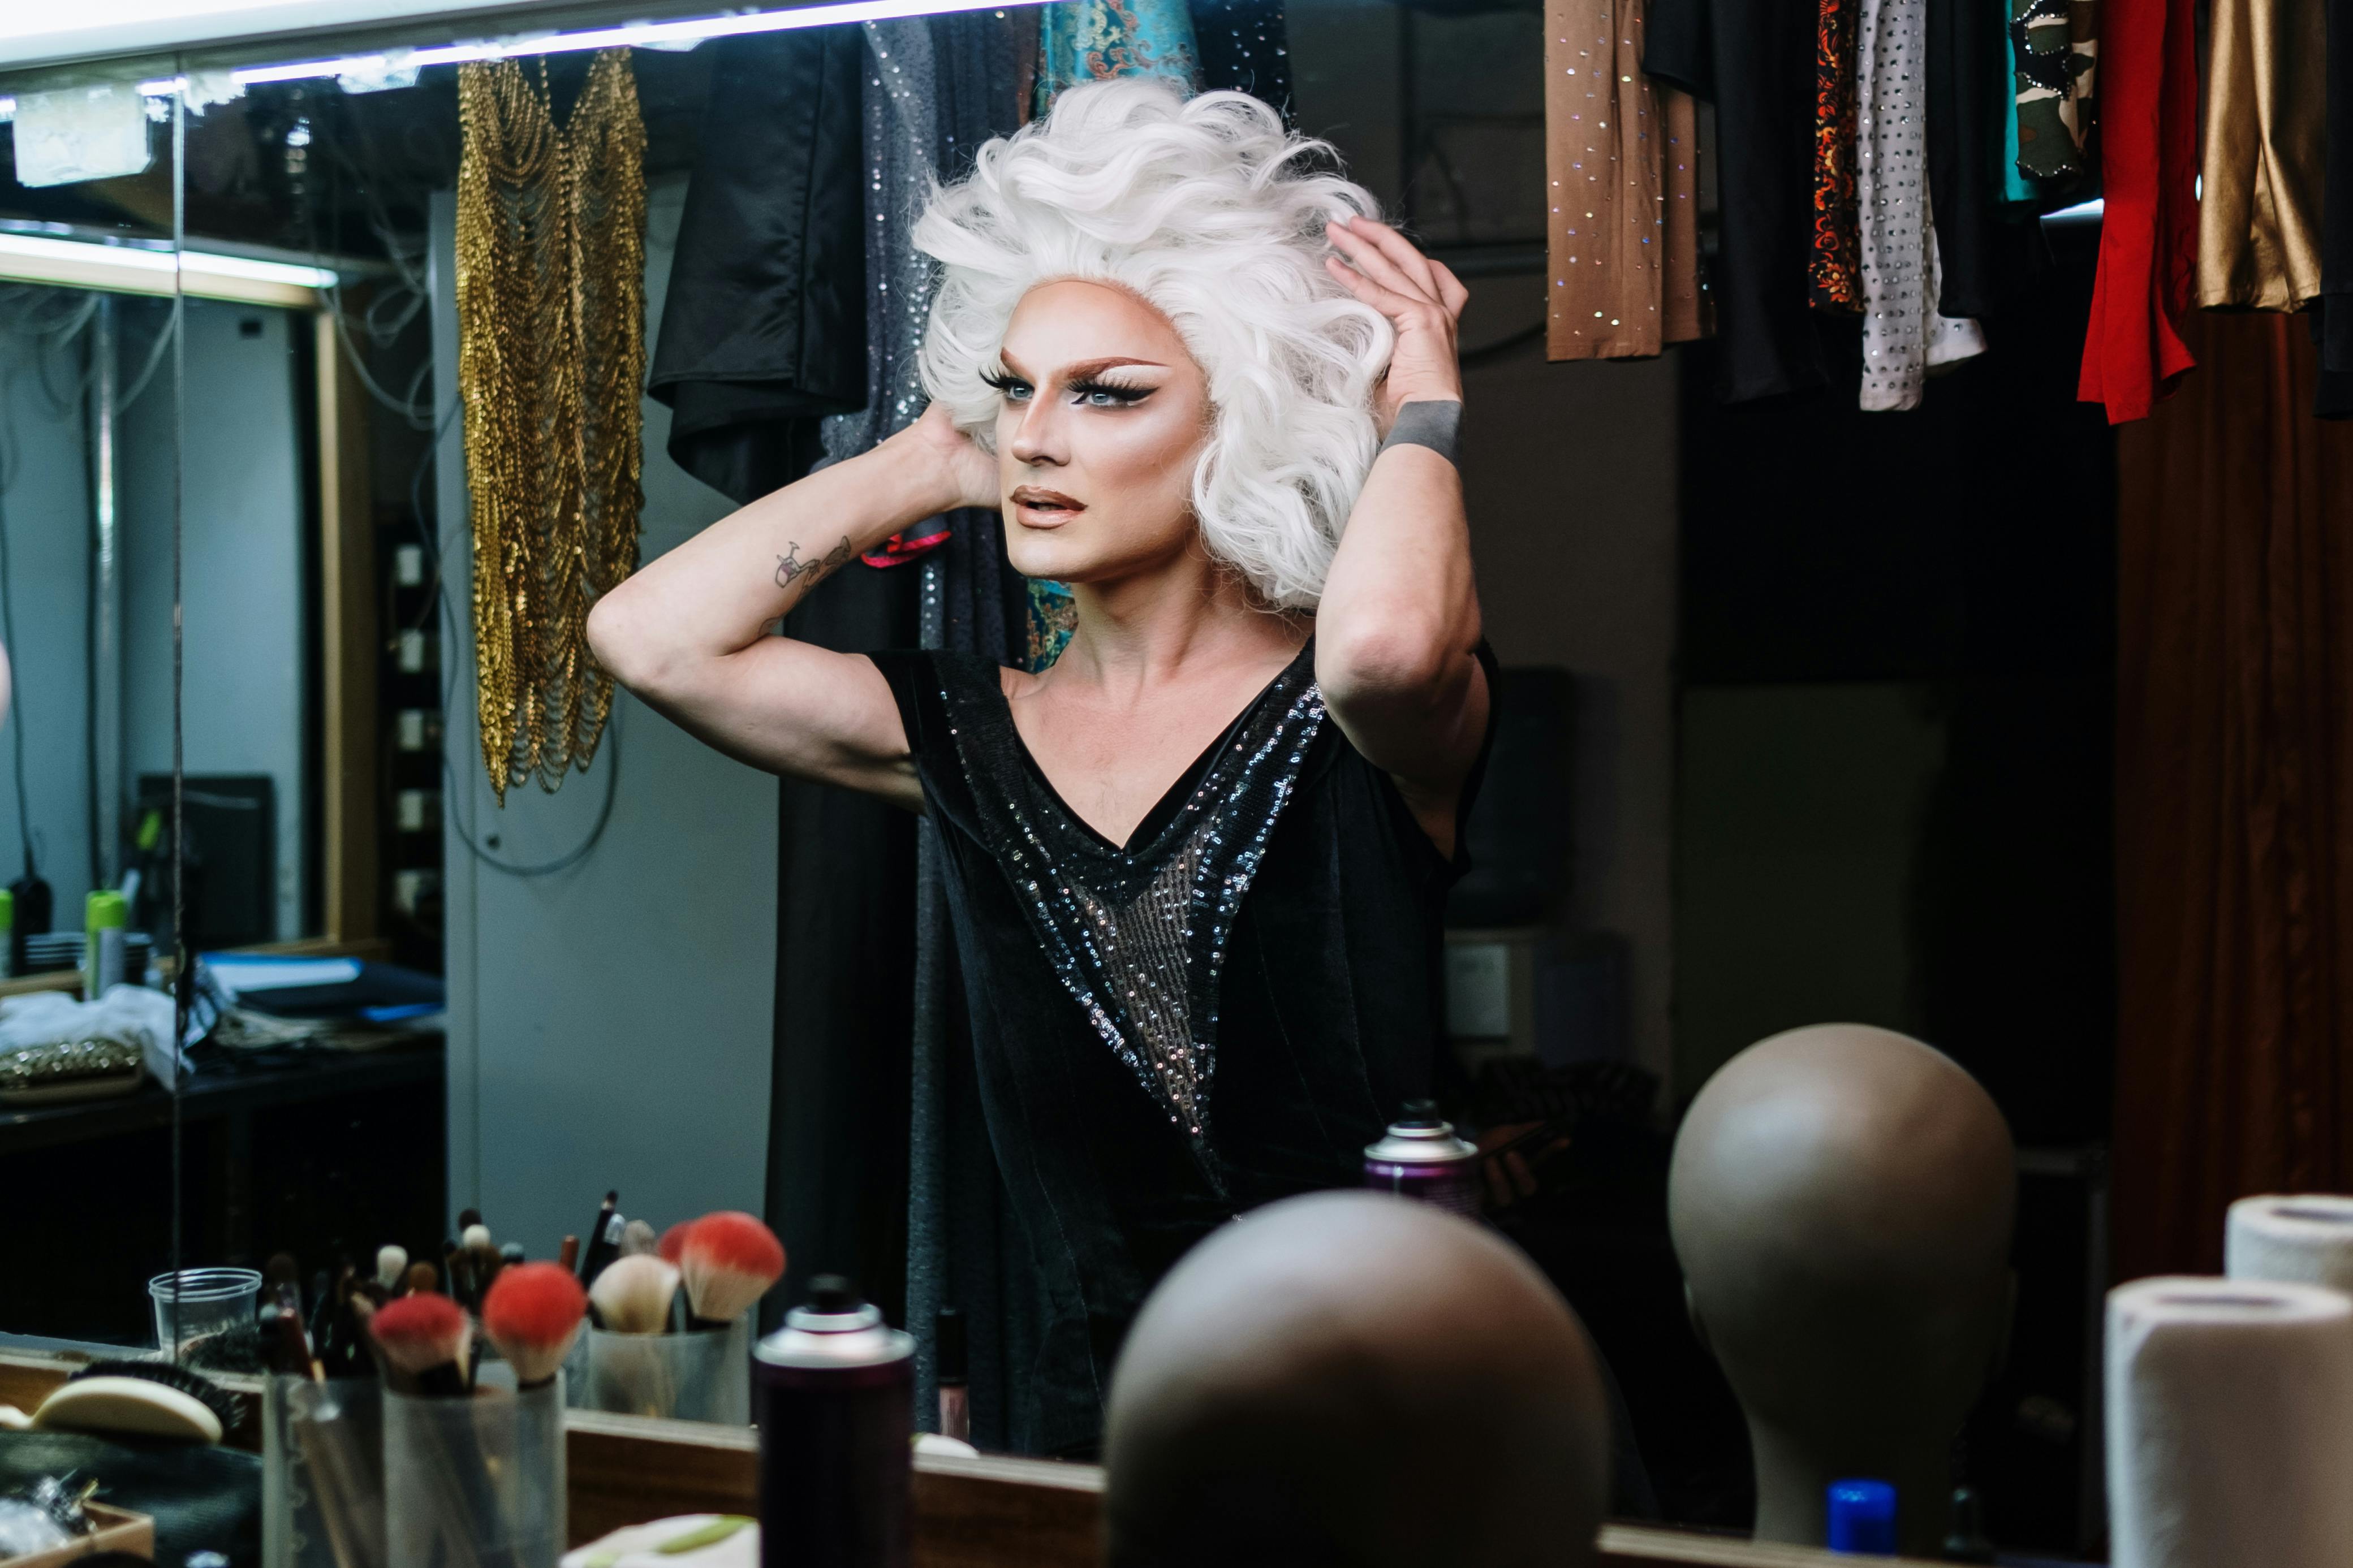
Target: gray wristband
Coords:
[(1435, 423)]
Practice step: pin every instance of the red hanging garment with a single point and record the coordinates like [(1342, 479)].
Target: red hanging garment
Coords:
[(2148, 235)]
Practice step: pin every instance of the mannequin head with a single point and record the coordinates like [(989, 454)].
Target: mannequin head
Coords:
[(1352, 1380), (1842, 1201), (1210, 214)]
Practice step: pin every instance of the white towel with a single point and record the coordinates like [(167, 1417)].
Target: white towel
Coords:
[(2229, 1406)]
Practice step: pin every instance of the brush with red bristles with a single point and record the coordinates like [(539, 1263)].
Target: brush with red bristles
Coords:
[(532, 1314), (425, 1341), (729, 1260)]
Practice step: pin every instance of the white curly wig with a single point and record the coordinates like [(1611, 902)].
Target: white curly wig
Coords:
[(1210, 211)]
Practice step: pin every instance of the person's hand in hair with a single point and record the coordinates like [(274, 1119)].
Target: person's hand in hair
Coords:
[(1423, 300), (968, 471)]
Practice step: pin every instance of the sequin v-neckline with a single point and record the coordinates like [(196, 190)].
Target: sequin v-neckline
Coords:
[(1137, 935), (1144, 837)]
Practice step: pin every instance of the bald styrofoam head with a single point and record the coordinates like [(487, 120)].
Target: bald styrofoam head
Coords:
[(1842, 1199), (1352, 1380)]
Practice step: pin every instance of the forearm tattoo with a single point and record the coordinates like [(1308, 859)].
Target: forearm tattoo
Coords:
[(792, 570)]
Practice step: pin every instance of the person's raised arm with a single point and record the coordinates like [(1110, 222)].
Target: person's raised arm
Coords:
[(1399, 624), (688, 631)]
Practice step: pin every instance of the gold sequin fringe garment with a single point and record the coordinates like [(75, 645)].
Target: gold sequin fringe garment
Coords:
[(551, 354)]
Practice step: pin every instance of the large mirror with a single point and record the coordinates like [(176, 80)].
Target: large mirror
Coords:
[(598, 973)]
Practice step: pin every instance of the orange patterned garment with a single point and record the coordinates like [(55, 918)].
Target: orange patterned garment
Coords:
[(1834, 270)]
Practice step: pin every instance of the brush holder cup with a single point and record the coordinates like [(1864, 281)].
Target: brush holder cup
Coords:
[(323, 1473), (197, 1303), (701, 1376), (475, 1482)]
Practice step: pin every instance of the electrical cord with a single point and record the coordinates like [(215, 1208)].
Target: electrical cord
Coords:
[(9, 638), (442, 601)]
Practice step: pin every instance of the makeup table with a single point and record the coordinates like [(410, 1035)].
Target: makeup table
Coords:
[(316, 1151)]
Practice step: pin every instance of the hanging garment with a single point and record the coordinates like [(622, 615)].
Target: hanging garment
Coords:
[(1243, 45), (2133, 351), (1618, 161), (2020, 189), (2235, 789), (1753, 59), (2332, 318), (551, 356), (1902, 332), (1221, 1012), (2259, 213), (2055, 50), (1092, 40), (1834, 271), (1988, 254), (934, 88), (763, 326)]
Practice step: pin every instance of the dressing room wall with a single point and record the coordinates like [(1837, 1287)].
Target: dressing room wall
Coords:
[(650, 963)]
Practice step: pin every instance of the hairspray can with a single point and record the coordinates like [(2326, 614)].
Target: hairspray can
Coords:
[(833, 1392), (1422, 1158), (105, 913)]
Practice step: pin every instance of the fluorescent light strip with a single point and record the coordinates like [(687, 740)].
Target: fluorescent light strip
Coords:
[(192, 263), (634, 34)]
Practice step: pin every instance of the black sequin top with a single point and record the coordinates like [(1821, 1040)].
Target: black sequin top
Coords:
[(1223, 1012)]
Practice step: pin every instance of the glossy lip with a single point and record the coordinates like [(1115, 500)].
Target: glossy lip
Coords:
[(1027, 499)]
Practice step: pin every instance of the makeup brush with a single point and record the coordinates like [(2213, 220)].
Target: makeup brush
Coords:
[(482, 1260), (281, 1281), (468, 1219), (602, 1239), (729, 1262), (533, 1312), (638, 1239), (633, 1295), (568, 1253), (510, 1253), (673, 1246), (422, 1276), (454, 1270), (426, 1338), (391, 1264)]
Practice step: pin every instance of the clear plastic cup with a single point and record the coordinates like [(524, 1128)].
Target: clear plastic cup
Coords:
[(475, 1483), (323, 1473), (701, 1376), (206, 1301)]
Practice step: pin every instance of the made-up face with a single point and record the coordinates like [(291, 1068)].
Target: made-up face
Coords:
[(1102, 416)]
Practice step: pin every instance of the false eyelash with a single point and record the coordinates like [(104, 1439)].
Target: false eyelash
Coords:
[(1002, 380), (1128, 394)]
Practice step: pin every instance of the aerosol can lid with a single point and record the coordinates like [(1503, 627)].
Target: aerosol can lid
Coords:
[(1421, 1137), (838, 1328)]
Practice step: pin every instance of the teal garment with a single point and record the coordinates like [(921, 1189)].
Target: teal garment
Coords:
[(2015, 186), (1092, 40)]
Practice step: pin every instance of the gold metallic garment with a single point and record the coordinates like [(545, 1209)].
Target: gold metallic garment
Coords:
[(551, 356), (2266, 155)]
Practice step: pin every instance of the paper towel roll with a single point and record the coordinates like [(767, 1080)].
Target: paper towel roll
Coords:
[(2309, 1239), (2229, 1407)]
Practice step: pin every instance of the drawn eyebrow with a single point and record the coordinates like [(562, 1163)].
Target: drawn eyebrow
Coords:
[(1079, 371)]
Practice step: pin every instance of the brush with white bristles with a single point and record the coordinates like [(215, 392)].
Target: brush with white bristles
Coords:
[(632, 1295), (729, 1259)]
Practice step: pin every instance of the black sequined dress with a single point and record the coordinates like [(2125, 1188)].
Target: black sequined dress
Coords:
[(1220, 1013)]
